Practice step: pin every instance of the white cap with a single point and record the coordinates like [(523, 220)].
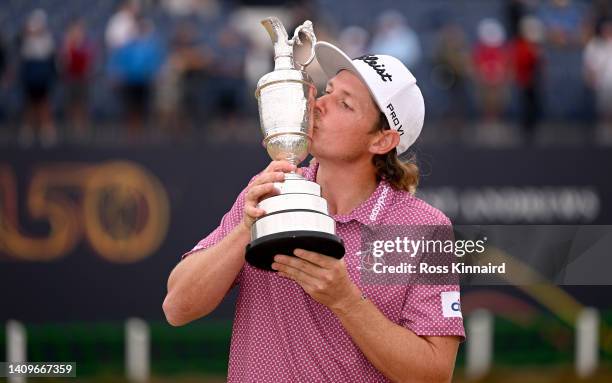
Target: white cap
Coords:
[(391, 84)]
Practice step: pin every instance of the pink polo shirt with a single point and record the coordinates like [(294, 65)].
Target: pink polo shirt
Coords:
[(281, 334)]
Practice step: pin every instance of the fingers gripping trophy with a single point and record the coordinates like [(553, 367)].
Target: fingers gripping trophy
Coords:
[(297, 217)]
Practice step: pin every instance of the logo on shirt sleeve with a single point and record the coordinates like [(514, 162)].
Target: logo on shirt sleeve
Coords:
[(451, 305)]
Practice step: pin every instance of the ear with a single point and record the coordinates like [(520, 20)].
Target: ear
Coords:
[(384, 142)]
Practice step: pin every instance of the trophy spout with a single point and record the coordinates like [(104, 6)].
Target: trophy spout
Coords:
[(283, 47)]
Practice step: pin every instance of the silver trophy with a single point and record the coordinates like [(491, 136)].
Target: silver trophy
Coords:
[(298, 217)]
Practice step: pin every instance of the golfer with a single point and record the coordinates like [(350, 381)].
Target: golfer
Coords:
[(314, 320)]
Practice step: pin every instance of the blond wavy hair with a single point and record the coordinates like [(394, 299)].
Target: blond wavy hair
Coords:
[(401, 174)]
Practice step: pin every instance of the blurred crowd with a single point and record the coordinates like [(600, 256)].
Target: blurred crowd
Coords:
[(185, 69), (171, 81)]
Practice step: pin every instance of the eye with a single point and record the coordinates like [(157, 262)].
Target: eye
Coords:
[(346, 106)]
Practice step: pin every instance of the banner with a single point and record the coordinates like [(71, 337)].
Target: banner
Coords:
[(93, 233)]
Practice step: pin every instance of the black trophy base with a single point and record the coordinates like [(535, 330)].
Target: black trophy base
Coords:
[(260, 253)]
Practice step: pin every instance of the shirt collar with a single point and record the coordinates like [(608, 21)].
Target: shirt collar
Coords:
[(370, 211)]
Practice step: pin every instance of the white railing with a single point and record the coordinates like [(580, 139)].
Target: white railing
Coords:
[(587, 343), (16, 347), (479, 346), (137, 350), (479, 343)]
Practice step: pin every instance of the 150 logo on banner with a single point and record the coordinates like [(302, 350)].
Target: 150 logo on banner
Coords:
[(119, 207)]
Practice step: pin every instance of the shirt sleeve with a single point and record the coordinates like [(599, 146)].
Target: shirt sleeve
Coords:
[(434, 309), (230, 220)]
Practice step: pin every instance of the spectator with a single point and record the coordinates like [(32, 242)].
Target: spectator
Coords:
[(515, 10), (598, 14), (167, 95), (452, 69), (2, 57), (122, 26), (76, 59), (37, 74), (394, 37), (491, 73), (183, 81), (563, 22), (354, 41), (3, 76), (196, 60), (207, 9), (230, 83), (527, 63), (134, 67), (598, 72)]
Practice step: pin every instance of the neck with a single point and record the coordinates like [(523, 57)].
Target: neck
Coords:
[(346, 185)]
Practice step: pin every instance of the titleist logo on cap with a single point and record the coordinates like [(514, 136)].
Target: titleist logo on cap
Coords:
[(372, 61)]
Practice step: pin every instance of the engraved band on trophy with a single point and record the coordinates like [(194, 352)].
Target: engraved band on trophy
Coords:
[(298, 217)]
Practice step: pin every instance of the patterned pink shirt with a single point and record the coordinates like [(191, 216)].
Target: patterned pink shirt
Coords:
[(281, 334)]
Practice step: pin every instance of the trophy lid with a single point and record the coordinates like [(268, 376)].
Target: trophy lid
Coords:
[(283, 46)]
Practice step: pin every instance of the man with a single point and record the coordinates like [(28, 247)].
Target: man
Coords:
[(315, 320)]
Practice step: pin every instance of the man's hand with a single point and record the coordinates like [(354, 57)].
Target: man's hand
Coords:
[(397, 352), (263, 187), (324, 278)]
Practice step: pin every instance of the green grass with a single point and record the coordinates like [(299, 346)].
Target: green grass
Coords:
[(98, 348), (201, 349)]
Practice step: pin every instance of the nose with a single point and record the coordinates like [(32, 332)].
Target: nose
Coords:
[(321, 104)]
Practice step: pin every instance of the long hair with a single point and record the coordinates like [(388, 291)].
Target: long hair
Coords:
[(402, 175)]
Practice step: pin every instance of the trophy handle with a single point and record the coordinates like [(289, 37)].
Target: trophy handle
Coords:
[(306, 29)]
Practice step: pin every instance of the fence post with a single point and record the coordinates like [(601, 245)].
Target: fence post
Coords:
[(16, 347), (479, 344), (137, 350), (587, 342)]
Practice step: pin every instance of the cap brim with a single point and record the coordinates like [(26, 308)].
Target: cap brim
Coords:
[(332, 60)]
